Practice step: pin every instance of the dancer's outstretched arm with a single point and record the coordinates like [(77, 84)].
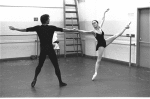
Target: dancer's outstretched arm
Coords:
[(83, 31), (69, 30), (76, 30), (103, 19), (17, 29), (24, 30)]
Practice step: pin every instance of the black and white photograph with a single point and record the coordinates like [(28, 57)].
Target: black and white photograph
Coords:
[(74, 48)]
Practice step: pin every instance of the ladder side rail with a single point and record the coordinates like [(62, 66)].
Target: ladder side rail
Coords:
[(76, 3)]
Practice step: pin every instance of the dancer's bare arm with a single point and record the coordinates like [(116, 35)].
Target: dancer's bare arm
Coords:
[(103, 19), (69, 30), (84, 31)]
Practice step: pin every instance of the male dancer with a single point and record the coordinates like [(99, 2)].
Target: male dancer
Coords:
[(45, 33)]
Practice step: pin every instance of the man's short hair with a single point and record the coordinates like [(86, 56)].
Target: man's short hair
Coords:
[(44, 18)]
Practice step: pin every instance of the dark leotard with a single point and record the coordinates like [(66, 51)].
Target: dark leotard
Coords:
[(100, 40)]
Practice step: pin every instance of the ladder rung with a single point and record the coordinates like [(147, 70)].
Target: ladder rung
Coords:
[(71, 11), (72, 24), (72, 5), (71, 18), (74, 51), (72, 38), (72, 32), (72, 44)]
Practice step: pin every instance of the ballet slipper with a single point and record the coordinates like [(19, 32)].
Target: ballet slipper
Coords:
[(128, 26), (33, 83), (62, 84), (94, 76)]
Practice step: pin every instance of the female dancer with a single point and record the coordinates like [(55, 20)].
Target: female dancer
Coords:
[(101, 42)]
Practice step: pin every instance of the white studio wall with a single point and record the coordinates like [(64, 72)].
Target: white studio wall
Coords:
[(21, 14), (120, 14), (39, 3)]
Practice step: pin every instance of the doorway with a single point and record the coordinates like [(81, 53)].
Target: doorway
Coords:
[(143, 37)]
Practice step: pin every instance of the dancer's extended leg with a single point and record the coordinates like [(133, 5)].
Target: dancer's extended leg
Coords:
[(53, 58), (100, 53), (111, 39), (42, 58)]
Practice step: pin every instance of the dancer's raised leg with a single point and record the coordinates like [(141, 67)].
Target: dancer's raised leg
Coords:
[(112, 38)]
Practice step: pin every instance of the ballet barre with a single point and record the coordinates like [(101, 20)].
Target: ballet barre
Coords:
[(23, 41), (19, 35), (36, 41), (17, 42)]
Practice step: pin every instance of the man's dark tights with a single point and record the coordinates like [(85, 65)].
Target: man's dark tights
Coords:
[(52, 56)]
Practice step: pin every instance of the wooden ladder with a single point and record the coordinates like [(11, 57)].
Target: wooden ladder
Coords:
[(72, 40)]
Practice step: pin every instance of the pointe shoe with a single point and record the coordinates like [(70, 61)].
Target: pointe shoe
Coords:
[(62, 84), (128, 26), (33, 83), (94, 76)]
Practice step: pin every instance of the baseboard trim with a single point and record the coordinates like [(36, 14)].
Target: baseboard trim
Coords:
[(34, 57), (111, 60), (71, 55), (14, 59)]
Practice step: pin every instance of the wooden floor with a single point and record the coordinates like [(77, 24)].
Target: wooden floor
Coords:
[(113, 80)]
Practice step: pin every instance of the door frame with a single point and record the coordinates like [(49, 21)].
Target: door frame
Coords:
[(138, 36)]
